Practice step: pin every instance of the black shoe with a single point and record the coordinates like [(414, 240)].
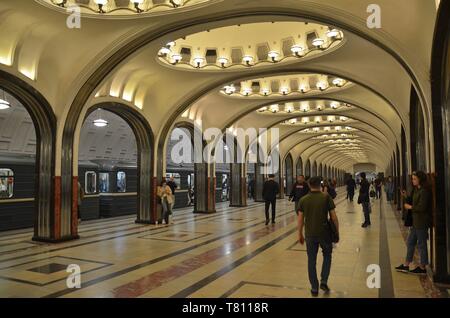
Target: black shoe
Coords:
[(418, 271), (402, 268), (314, 293), (364, 225), (325, 288), (273, 221), (267, 222)]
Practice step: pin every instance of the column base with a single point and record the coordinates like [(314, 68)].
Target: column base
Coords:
[(52, 240), (205, 212), (145, 222), (238, 205)]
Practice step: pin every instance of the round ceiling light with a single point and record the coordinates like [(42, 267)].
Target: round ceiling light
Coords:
[(4, 104), (100, 123)]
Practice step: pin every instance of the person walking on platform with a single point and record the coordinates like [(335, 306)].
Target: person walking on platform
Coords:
[(270, 191), (351, 186), (378, 185), (364, 199), (299, 190), (389, 189), (421, 221), (313, 213)]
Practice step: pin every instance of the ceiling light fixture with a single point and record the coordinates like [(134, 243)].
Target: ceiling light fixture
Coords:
[(176, 3), (339, 82), (247, 91), (297, 50), (100, 122), (248, 59), (101, 4), (265, 91), (136, 4), (4, 104), (318, 43), (333, 33), (176, 58), (274, 56), (164, 52), (284, 90), (198, 61), (223, 61)]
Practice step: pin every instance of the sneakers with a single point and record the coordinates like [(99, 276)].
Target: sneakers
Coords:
[(405, 269), (325, 287), (402, 268), (418, 271)]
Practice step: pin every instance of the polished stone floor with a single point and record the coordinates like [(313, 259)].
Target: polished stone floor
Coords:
[(227, 254)]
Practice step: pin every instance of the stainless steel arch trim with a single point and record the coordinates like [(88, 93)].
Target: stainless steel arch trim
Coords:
[(44, 122), (145, 141)]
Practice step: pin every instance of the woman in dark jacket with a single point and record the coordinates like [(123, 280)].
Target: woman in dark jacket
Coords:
[(364, 199), (418, 233)]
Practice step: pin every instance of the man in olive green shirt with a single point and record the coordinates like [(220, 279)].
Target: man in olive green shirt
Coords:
[(313, 213)]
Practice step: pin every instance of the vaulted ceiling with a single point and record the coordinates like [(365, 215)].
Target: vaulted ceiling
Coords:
[(176, 64)]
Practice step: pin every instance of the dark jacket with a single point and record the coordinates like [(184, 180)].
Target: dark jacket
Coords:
[(364, 191), (421, 211), (270, 190), (299, 190), (172, 185), (351, 185)]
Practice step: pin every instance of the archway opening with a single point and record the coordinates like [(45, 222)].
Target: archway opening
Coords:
[(107, 167), (18, 178)]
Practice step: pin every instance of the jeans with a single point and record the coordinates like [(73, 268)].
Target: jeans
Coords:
[(167, 210), (378, 190), (366, 209), (417, 237), (350, 195), (272, 203), (312, 248)]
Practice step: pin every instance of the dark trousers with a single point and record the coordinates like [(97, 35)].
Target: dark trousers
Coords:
[(312, 248), (378, 193), (272, 203), (350, 195), (367, 209)]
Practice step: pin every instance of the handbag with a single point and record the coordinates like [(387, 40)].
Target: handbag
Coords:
[(409, 214), (333, 234)]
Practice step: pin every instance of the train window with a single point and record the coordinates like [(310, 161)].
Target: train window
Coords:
[(6, 183), (121, 181), (90, 182), (104, 182)]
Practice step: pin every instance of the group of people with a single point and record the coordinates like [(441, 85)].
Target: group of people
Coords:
[(315, 208)]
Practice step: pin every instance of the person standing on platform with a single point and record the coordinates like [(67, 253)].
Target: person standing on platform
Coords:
[(173, 186), (421, 221), (351, 186), (270, 192), (313, 215), (389, 188), (378, 185), (164, 193), (80, 199), (299, 190), (364, 199)]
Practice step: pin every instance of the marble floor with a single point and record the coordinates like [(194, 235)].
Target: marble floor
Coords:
[(227, 254)]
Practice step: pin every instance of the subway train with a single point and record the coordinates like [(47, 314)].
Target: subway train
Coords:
[(110, 189)]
